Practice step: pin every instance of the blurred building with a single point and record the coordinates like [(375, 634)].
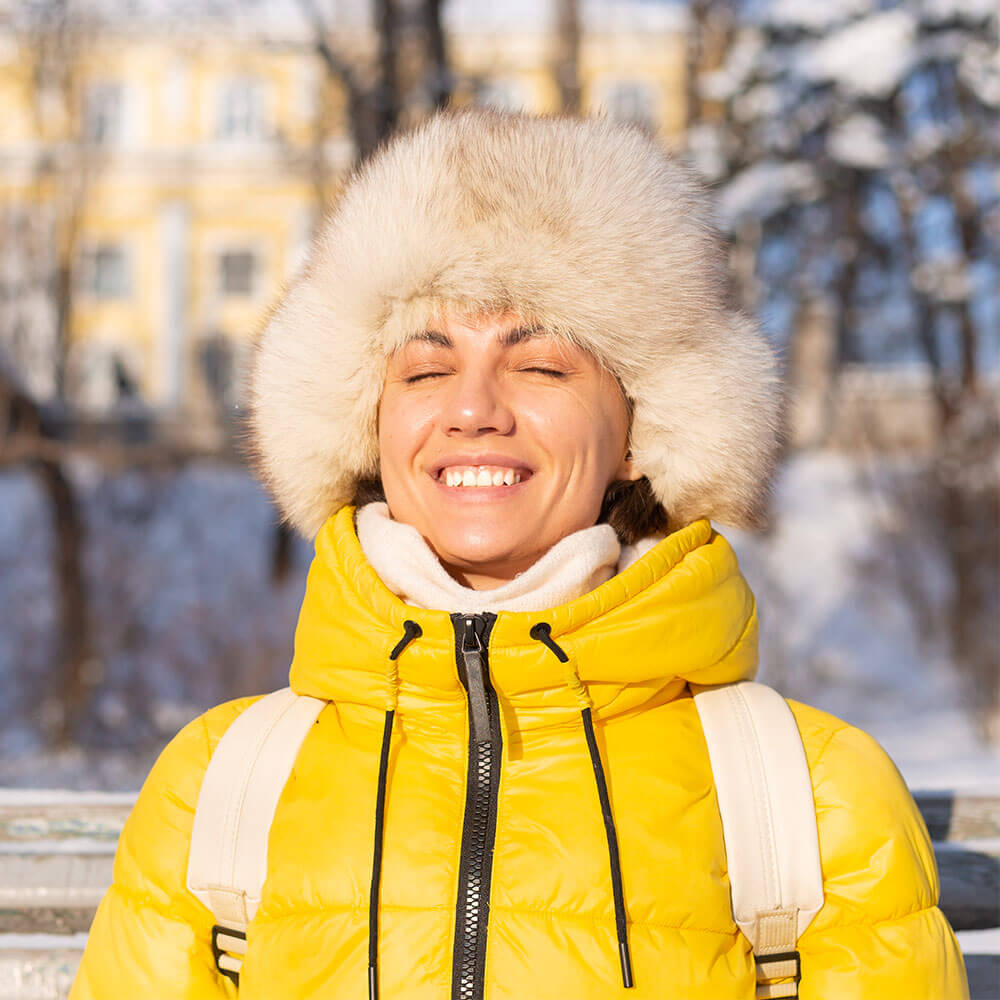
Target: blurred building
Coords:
[(159, 179)]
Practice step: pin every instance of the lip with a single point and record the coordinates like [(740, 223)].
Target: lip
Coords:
[(482, 458)]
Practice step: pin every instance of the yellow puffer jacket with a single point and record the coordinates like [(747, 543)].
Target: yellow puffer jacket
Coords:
[(497, 884)]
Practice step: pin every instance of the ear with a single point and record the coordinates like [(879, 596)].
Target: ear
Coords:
[(627, 471)]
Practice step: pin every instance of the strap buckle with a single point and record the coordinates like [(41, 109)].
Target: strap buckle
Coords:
[(779, 965), (229, 945)]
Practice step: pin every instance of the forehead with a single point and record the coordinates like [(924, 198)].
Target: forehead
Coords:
[(496, 330), (503, 336)]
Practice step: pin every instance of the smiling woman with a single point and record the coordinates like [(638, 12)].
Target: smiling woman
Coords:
[(520, 754)]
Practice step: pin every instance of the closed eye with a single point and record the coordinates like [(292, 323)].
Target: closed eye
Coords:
[(547, 371), (409, 380)]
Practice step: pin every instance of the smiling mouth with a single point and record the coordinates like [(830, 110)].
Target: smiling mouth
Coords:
[(478, 476)]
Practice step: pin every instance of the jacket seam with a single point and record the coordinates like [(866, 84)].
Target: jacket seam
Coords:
[(601, 919), (300, 911), (739, 641), (826, 743), (208, 740), (148, 900), (522, 911), (856, 924)]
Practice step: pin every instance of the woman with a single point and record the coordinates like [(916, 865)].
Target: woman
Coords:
[(512, 350)]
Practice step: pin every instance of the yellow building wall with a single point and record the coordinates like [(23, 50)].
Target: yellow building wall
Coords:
[(171, 185)]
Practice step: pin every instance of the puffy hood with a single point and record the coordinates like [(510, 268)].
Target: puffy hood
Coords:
[(584, 228), (685, 603)]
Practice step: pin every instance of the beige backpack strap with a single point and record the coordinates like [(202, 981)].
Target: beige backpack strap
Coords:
[(769, 823), (239, 794)]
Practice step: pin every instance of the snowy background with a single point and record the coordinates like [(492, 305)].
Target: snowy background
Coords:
[(854, 150), (854, 147), (178, 570)]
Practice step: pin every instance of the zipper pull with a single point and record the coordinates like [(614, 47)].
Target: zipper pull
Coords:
[(472, 655)]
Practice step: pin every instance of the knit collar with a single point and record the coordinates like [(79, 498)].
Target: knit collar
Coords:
[(407, 565), (682, 611)]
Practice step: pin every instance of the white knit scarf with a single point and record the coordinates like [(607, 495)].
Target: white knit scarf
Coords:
[(573, 566)]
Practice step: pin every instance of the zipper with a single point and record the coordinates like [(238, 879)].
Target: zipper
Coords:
[(475, 870)]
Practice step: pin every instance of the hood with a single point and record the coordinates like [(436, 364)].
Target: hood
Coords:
[(682, 612)]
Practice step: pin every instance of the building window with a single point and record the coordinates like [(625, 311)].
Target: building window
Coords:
[(237, 272), (240, 112), (102, 114), (105, 272), (631, 101)]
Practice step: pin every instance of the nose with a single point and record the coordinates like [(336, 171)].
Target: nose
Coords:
[(475, 405)]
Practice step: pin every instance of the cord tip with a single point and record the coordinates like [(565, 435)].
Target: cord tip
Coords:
[(626, 965)]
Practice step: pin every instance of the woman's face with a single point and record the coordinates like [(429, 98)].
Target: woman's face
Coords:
[(477, 401)]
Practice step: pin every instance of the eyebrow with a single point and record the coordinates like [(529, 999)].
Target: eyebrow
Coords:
[(507, 339)]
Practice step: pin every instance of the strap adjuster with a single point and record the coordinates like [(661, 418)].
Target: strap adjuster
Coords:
[(786, 965), (781, 956), (782, 965), (228, 954)]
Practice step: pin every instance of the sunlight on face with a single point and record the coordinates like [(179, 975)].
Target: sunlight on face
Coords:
[(487, 401)]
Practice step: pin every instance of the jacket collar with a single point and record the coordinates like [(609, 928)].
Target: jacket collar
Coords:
[(409, 567), (682, 612)]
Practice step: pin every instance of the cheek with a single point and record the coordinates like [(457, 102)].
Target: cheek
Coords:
[(574, 425), (403, 424)]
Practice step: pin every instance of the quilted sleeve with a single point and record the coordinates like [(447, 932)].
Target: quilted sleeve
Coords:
[(150, 937), (880, 934)]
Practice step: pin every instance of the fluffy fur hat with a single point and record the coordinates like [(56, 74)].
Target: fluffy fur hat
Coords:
[(583, 227)]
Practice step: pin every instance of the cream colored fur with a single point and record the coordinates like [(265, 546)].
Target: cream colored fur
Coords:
[(582, 226)]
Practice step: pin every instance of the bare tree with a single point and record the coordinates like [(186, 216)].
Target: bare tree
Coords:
[(815, 155), (440, 80), (53, 40), (567, 64)]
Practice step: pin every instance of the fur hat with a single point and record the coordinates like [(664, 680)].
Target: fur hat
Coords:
[(581, 226)]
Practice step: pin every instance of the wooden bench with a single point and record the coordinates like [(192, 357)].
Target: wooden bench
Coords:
[(56, 852)]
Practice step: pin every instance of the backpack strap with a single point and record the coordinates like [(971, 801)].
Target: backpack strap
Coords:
[(239, 794), (769, 824)]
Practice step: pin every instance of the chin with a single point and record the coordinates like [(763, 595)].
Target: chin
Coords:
[(475, 550)]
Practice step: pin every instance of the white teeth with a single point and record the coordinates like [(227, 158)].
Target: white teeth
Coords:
[(479, 476)]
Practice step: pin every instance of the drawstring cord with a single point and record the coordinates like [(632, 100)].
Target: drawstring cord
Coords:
[(411, 631), (542, 632)]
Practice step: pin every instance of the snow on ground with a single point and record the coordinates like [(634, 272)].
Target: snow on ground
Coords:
[(838, 632), (852, 604), (184, 616)]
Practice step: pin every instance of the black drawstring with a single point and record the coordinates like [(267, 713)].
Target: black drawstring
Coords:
[(609, 829), (383, 767), (542, 632), (411, 630)]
